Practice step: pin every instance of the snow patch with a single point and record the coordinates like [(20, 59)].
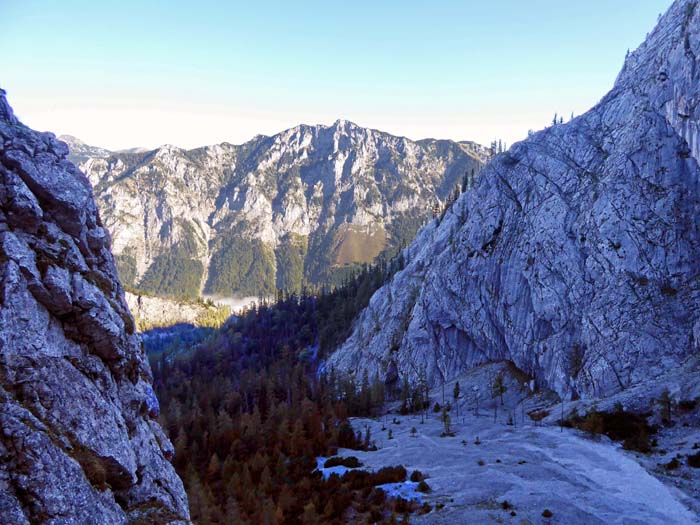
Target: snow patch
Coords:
[(407, 490)]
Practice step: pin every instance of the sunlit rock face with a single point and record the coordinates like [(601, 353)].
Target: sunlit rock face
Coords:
[(79, 440), (271, 213), (577, 253)]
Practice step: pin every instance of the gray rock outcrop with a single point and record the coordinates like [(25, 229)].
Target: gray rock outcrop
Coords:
[(79, 440), (577, 253), (151, 312)]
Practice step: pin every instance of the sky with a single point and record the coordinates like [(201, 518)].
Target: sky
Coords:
[(145, 73)]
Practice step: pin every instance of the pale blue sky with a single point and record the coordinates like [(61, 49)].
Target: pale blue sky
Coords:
[(139, 73)]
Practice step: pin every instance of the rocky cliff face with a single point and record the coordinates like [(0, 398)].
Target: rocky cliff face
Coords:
[(79, 441), (577, 253), (271, 213), (152, 312)]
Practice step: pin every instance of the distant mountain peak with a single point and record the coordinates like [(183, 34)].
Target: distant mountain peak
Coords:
[(70, 139), (169, 148), (274, 212), (79, 151), (344, 123)]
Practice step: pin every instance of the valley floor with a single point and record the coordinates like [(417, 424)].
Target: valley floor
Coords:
[(533, 468)]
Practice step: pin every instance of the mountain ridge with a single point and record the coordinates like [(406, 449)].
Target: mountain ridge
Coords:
[(276, 212), (476, 148)]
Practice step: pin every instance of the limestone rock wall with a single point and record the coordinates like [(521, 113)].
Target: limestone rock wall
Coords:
[(577, 253), (79, 440)]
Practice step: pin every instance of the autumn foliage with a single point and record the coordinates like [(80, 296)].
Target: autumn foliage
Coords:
[(248, 414)]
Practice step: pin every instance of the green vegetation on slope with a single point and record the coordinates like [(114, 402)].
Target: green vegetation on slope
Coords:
[(403, 230), (173, 274), (290, 263), (214, 316), (240, 265), (319, 258), (126, 267), (176, 273), (249, 411)]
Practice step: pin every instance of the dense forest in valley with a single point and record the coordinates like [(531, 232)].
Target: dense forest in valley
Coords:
[(249, 413)]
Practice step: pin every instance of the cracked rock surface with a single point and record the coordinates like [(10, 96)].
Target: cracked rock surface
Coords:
[(577, 253), (79, 440)]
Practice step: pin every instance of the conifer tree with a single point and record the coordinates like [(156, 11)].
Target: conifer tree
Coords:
[(665, 402), (465, 182), (310, 516), (446, 421), (214, 467), (498, 387), (231, 514), (455, 396)]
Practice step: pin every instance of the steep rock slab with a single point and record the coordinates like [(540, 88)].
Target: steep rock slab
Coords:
[(79, 441), (577, 253)]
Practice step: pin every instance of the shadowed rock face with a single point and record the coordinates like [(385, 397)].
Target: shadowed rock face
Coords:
[(79, 442), (577, 253)]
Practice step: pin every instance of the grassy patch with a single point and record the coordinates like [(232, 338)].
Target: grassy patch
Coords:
[(356, 245)]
